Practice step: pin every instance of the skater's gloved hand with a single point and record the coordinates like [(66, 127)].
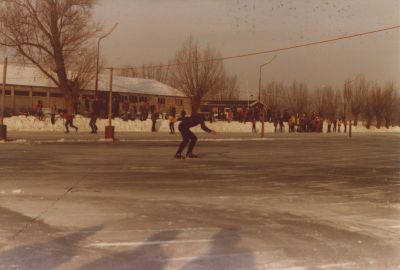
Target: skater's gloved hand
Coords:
[(213, 132)]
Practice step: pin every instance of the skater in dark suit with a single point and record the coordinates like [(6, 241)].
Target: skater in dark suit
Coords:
[(96, 108), (188, 136)]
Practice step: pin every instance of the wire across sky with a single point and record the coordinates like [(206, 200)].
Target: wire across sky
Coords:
[(269, 51)]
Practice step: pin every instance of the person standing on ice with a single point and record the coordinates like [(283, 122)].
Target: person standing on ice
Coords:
[(154, 117), (69, 121), (53, 111), (188, 136), (96, 108), (172, 120)]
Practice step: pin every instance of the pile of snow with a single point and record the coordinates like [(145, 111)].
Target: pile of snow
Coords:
[(31, 123), (374, 129)]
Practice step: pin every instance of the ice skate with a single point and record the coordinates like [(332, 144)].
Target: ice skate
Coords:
[(191, 155), (179, 156)]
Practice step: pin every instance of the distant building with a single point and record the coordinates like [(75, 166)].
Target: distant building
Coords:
[(219, 109), (26, 85), (222, 105)]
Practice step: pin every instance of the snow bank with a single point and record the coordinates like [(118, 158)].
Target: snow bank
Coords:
[(31, 123)]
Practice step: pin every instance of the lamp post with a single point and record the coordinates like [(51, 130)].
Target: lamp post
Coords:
[(248, 95), (98, 56), (3, 128), (348, 94), (248, 100), (110, 129), (262, 113)]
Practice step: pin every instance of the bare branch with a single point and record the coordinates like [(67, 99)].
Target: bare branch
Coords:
[(56, 36)]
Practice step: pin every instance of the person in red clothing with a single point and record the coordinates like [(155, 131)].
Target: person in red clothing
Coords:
[(39, 110), (188, 136), (69, 121)]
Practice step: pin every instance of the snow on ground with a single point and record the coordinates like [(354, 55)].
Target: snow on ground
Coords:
[(31, 123)]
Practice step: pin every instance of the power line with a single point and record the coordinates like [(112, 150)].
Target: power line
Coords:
[(272, 50)]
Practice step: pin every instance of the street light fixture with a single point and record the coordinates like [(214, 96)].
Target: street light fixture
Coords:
[(98, 56), (259, 96)]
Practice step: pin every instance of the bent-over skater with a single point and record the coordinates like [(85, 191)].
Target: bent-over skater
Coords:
[(188, 136)]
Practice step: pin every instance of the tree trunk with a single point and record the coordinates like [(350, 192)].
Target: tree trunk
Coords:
[(378, 122), (195, 105), (369, 121), (69, 103), (355, 119), (387, 122)]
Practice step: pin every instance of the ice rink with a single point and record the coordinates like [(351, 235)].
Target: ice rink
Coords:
[(289, 201)]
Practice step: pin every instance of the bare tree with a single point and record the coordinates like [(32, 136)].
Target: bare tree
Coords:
[(397, 111), (318, 101), (229, 89), (273, 95), (54, 35), (338, 101), (297, 97), (389, 101), (369, 106), (378, 104), (329, 103), (158, 72), (358, 97), (128, 71), (198, 72)]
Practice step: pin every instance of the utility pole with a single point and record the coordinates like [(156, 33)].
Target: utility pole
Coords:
[(109, 132), (350, 114), (248, 96), (3, 128), (262, 109), (348, 94)]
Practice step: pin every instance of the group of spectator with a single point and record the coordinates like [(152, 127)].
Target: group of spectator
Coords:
[(282, 120), (304, 123), (98, 108), (125, 110)]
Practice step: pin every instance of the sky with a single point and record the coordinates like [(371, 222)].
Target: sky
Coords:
[(153, 30)]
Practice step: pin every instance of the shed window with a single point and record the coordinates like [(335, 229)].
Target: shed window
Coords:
[(133, 99), (56, 95), (21, 93), (39, 94), (179, 102), (161, 100)]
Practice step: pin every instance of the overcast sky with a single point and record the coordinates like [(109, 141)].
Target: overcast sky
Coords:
[(152, 30)]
